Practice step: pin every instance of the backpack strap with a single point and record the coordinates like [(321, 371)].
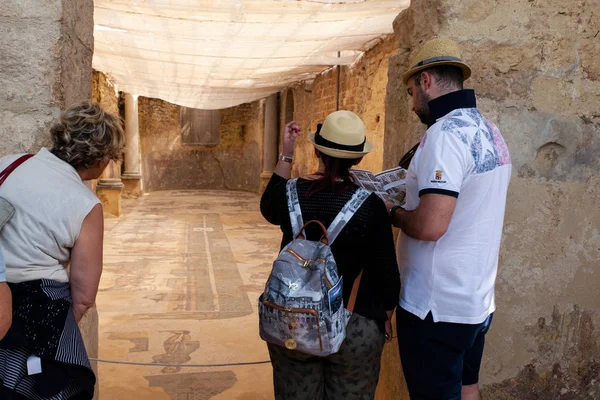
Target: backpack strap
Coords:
[(294, 207), (354, 292), (348, 211)]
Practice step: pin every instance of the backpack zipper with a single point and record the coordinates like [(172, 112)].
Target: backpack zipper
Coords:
[(306, 262), (299, 311), (303, 260)]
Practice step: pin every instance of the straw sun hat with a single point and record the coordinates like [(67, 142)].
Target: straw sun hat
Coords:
[(433, 53), (342, 135)]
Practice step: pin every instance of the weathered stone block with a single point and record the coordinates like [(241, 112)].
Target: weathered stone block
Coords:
[(549, 146), (76, 51), (590, 57), (28, 66), (548, 260), (25, 131), (502, 71), (49, 9), (110, 199), (41, 69), (132, 188), (578, 98)]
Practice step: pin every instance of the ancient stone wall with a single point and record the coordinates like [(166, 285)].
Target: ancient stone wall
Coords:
[(46, 64), (362, 90), (536, 72), (235, 163), (105, 93)]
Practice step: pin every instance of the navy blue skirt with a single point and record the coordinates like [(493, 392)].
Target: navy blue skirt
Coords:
[(44, 326)]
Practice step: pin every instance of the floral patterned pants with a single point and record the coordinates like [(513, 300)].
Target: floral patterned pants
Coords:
[(350, 374)]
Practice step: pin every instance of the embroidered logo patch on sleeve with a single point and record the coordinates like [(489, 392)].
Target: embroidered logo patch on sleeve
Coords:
[(438, 175)]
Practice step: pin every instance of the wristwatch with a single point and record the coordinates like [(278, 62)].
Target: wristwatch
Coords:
[(285, 158)]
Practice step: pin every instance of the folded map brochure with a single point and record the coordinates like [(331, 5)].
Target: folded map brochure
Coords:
[(390, 185)]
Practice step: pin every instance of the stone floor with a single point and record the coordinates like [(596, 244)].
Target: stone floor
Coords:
[(182, 274)]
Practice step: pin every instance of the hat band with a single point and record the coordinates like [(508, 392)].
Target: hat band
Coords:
[(321, 141), (436, 59)]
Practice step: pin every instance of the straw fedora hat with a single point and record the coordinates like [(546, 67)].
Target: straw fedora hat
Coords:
[(342, 135), (436, 52)]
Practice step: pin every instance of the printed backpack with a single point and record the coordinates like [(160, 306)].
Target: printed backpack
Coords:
[(302, 307)]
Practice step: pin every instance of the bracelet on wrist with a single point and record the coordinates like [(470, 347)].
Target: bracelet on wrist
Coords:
[(285, 158)]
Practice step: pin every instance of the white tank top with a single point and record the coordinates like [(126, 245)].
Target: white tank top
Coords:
[(51, 202)]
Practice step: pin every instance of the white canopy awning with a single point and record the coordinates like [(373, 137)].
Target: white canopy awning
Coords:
[(213, 54)]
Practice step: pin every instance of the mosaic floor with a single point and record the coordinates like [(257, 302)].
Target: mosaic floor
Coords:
[(182, 273)]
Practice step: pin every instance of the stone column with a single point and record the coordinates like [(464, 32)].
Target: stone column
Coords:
[(271, 132), (109, 189), (132, 177)]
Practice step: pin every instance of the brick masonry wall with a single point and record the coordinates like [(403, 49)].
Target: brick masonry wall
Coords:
[(362, 90), (233, 164)]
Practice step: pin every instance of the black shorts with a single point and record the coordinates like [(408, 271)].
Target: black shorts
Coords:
[(439, 358)]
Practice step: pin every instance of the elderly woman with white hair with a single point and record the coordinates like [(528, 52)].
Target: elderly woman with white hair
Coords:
[(52, 246)]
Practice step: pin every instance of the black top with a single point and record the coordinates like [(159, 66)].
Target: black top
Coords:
[(366, 242)]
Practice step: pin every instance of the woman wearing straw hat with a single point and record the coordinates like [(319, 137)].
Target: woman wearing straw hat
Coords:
[(366, 243), (451, 229)]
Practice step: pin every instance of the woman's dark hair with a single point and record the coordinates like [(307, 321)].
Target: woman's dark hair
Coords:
[(336, 169)]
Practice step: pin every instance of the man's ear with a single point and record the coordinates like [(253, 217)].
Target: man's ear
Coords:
[(426, 80)]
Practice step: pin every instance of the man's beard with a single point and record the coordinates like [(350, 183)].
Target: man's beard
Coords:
[(422, 110)]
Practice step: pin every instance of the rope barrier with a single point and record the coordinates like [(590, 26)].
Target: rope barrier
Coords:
[(142, 364), (179, 365)]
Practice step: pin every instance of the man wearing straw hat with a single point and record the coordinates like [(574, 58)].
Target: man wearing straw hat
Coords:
[(451, 229)]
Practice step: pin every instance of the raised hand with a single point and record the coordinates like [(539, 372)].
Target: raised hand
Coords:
[(290, 134)]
